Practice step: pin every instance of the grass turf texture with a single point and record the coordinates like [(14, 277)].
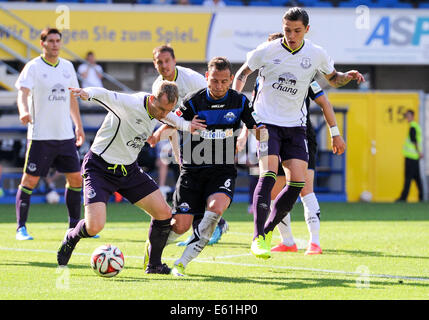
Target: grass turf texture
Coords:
[(370, 251)]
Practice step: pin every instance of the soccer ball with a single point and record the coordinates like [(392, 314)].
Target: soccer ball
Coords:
[(366, 196), (52, 197), (107, 261)]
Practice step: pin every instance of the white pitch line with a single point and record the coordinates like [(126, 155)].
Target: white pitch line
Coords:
[(210, 260)]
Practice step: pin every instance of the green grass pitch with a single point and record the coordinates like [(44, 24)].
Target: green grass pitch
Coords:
[(370, 251)]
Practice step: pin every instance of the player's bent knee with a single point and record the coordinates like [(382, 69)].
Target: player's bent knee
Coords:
[(181, 224)]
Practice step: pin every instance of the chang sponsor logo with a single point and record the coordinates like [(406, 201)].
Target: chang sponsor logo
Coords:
[(58, 93), (286, 83), (137, 142)]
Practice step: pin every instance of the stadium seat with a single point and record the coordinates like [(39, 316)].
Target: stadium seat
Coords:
[(281, 3), (355, 3), (322, 4), (235, 3), (316, 3), (393, 4), (95, 1), (260, 3), (143, 1), (424, 5), (196, 2)]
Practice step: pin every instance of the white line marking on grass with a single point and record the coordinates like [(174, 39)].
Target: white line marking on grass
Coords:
[(209, 260)]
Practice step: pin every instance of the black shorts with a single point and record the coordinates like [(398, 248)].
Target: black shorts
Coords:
[(312, 151), (312, 147), (195, 185)]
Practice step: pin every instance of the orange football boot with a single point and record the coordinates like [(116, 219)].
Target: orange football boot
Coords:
[(313, 249), (283, 248)]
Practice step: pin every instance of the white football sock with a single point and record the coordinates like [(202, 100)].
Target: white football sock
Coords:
[(172, 237), (200, 237), (285, 230), (311, 211)]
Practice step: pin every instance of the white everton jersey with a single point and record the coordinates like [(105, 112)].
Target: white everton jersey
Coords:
[(284, 78), (49, 100), (126, 127), (187, 81)]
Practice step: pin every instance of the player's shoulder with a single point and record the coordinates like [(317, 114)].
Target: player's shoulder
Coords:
[(140, 94), (234, 94), (196, 95), (269, 45), (310, 45), (157, 81), (65, 62), (33, 62), (188, 71)]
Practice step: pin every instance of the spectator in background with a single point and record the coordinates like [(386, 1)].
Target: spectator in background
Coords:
[(412, 151), (214, 3), (183, 2), (90, 72)]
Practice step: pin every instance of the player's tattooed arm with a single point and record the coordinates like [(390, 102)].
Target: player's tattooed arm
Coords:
[(241, 77), (338, 79)]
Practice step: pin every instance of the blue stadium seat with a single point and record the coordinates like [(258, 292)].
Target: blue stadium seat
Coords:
[(260, 3), (424, 5), (235, 3), (143, 1), (196, 2), (355, 3), (95, 1), (393, 4), (316, 3), (278, 3), (322, 4)]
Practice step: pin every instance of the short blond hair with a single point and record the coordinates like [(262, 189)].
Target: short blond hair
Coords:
[(169, 88)]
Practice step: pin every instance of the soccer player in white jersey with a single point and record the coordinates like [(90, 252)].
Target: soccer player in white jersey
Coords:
[(111, 165), (47, 108), (287, 67), (187, 81)]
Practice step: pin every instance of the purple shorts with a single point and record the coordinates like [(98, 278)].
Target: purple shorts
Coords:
[(43, 154), (101, 180), (286, 142)]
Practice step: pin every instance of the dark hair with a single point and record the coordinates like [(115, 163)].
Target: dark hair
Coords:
[(89, 53), (47, 31), (297, 14), (219, 63), (274, 36), (163, 48), (410, 112)]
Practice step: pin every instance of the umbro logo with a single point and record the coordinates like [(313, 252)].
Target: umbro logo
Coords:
[(277, 61)]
